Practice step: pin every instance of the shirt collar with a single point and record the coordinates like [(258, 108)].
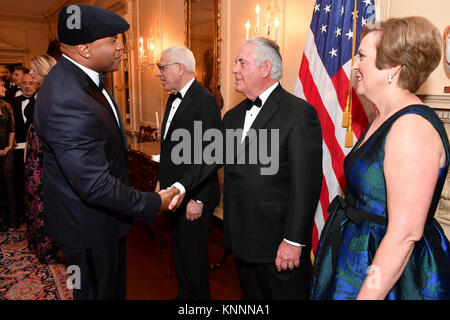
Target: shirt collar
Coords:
[(266, 93), (94, 75), (186, 87)]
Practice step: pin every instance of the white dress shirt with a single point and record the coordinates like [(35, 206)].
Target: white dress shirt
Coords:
[(95, 76), (251, 114), (173, 109), (175, 104), (21, 145)]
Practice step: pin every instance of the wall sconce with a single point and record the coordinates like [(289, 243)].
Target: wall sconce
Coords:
[(271, 19), (148, 52)]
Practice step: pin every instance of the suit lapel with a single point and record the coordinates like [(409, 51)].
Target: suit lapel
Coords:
[(184, 105), (121, 127), (93, 90), (269, 108), (166, 116)]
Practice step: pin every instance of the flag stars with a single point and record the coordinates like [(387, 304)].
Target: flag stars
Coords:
[(353, 14), (338, 32), (363, 22), (323, 28), (349, 34), (327, 9), (333, 52), (317, 7), (342, 10), (368, 2)]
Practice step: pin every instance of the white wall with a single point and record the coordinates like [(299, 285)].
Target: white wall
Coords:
[(438, 12)]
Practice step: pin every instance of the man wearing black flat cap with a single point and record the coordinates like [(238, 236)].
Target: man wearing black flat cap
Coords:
[(89, 203)]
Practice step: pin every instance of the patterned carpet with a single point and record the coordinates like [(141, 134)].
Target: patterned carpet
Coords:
[(22, 277)]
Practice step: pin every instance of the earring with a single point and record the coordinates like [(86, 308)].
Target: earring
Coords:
[(390, 79), (88, 55)]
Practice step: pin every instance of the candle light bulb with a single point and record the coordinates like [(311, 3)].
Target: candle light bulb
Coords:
[(247, 28), (257, 10), (276, 23)]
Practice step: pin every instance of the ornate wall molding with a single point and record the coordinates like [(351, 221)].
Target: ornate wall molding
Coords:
[(385, 8), (440, 103)]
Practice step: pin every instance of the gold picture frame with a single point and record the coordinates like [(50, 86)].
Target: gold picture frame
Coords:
[(202, 30)]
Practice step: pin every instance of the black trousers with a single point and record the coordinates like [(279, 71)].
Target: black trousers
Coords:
[(190, 250), (264, 282), (19, 173), (102, 271)]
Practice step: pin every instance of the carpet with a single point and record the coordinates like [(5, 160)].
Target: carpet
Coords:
[(22, 277)]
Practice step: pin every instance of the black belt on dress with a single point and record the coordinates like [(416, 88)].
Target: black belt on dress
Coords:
[(353, 214)]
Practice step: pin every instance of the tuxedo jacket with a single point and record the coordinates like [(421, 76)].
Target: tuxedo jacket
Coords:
[(21, 125), (199, 105), (11, 90), (88, 200), (262, 210)]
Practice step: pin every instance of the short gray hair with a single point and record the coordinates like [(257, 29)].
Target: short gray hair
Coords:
[(266, 49), (182, 55)]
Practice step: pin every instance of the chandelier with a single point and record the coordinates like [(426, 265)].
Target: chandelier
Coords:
[(148, 52), (266, 23)]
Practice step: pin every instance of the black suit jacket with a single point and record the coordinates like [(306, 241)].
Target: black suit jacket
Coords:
[(197, 105), (88, 201), (11, 91), (261, 210), (21, 125)]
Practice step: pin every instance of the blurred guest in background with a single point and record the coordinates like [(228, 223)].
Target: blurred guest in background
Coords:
[(23, 116), (14, 89), (42, 245), (7, 199)]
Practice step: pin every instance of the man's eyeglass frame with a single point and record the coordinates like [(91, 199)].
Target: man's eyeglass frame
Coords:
[(162, 67)]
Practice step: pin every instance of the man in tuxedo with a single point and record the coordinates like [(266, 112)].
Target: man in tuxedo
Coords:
[(88, 199), (269, 215), (14, 89), (23, 106), (191, 105)]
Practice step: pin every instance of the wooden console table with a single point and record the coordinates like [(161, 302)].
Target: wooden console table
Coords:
[(143, 173)]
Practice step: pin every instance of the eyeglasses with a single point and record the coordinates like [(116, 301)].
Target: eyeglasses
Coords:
[(163, 67)]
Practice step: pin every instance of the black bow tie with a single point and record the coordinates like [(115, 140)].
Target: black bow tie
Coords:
[(250, 103), (101, 82), (173, 96), (25, 98)]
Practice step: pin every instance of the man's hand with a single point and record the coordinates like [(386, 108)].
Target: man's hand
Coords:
[(176, 201), (194, 210), (167, 195), (288, 256)]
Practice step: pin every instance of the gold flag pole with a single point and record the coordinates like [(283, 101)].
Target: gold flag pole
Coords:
[(347, 116)]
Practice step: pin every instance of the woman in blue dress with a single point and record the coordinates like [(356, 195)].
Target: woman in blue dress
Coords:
[(381, 240)]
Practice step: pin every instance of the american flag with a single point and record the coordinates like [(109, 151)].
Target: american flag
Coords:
[(324, 79)]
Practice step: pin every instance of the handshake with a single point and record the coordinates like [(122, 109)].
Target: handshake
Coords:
[(171, 199)]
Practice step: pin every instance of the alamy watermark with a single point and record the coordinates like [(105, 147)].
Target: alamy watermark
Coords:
[(263, 147), (74, 20)]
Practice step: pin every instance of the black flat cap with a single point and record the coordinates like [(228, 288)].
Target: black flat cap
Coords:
[(80, 24)]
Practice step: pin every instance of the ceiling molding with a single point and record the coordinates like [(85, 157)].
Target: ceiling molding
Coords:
[(54, 9), (6, 15), (10, 46)]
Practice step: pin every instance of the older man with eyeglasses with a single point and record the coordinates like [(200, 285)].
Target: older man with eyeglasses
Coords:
[(189, 224)]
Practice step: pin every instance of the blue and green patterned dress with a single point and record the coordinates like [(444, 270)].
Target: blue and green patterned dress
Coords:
[(352, 234)]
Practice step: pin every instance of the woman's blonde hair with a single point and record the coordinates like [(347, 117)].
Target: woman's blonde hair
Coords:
[(414, 43), (42, 64)]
